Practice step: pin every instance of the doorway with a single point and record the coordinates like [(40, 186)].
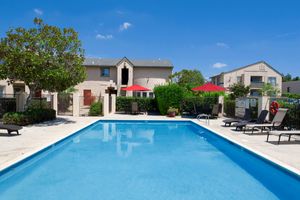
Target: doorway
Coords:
[(125, 73), (87, 97)]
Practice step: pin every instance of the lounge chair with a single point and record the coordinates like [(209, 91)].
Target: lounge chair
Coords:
[(260, 120), (134, 108), (276, 122), (214, 113), (10, 128), (283, 133), (246, 118)]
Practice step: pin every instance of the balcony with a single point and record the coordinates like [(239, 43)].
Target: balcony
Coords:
[(256, 85)]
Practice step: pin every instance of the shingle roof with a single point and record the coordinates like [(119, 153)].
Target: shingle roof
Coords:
[(136, 63)]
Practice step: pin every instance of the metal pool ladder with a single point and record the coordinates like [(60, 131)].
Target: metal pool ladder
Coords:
[(205, 116)]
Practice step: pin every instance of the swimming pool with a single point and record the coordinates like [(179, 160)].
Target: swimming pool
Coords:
[(147, 160)]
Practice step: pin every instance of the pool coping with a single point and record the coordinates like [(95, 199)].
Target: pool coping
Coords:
[(9, 166)]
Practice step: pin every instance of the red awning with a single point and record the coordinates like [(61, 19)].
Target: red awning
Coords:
[(209, 87), (135, 88)]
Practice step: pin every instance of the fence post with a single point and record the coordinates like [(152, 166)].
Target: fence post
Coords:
[(221, 101), (20, 101), (55, 102), (263, 104), (113, 103), (76, 107), (105, 104)]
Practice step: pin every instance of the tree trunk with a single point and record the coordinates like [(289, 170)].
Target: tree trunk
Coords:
[(29, 98)]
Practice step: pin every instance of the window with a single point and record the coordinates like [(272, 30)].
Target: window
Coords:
[(272, 81), (1, 91), (151, 95), (256, 79), (144, 94), (239, 79), (288, 89), (138, 94), (105, 72)]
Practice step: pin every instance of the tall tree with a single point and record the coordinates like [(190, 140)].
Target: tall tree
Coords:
[(188, 78), (44, 57)]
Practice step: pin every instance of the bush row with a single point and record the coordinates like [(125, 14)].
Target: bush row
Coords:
[(292, 119), (144, 104), (292, 96), (31, 116)]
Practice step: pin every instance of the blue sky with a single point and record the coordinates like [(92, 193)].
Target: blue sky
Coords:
[(209, 35)]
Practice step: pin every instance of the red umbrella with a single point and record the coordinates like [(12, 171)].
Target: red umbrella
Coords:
[(209, 87), (135, 88)]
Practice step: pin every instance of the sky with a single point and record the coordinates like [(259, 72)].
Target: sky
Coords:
[(209, 35)]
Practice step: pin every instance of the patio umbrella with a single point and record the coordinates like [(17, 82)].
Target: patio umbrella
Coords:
[(135, 88), (209, 87)]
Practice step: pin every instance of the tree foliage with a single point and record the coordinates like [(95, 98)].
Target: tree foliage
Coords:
[(188, 78), (288, 77), (44, 57), (269, 90), (239, 90)]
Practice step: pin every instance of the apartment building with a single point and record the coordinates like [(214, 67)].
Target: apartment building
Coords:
[(254, 75)]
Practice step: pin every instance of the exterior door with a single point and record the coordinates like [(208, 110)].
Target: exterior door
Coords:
[(87, 97)]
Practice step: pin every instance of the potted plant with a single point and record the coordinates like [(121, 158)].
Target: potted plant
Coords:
[(172, 112)]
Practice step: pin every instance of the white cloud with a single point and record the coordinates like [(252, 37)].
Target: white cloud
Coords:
[(125, 26), (38, 11), (222, 44), (104, 37), (219, 65)]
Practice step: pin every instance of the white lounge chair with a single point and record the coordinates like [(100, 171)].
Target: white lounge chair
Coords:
[(276, 122), (283, 133)]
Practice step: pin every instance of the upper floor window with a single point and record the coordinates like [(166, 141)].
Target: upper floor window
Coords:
[(239, 79), (256, 79), (105, 72), (272, 81)]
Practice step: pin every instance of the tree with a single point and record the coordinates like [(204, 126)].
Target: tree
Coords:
[(188, 78), (44, 58), (269, 90), (239, 90), (287, 77)]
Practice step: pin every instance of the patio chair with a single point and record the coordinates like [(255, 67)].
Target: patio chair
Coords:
[(134, 108), (283, 133), (246, 118), (260, 120), (11, 128), (276, 122), (214, 113)]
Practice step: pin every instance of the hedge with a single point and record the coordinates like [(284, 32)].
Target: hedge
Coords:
[(292, 119), (31, 116), (292, 96), (229, 107), (168, 96), (144, 104), (198, 104), (95, 109), (7, 105)]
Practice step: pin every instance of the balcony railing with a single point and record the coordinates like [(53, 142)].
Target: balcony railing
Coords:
[(256, 84)]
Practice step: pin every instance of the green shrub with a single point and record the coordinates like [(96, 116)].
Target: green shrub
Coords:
[(198, 104), (292, 119), (7, 105), (229, 107), (95, 109), (144, 104), (38, 103), (168, 96), (292, 96), (31, 116)]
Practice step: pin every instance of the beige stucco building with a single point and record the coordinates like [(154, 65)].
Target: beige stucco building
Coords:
[(120, 73), (253, 75)]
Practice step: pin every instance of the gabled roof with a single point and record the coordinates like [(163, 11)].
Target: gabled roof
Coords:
[(107, 62), (259, 62)]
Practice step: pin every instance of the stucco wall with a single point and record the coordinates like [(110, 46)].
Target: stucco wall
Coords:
[(293, 85), (149, 77)]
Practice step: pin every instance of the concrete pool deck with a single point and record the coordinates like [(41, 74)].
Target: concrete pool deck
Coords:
[(36, 137)]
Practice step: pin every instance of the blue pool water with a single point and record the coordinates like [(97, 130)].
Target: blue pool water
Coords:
[(147, 160)]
